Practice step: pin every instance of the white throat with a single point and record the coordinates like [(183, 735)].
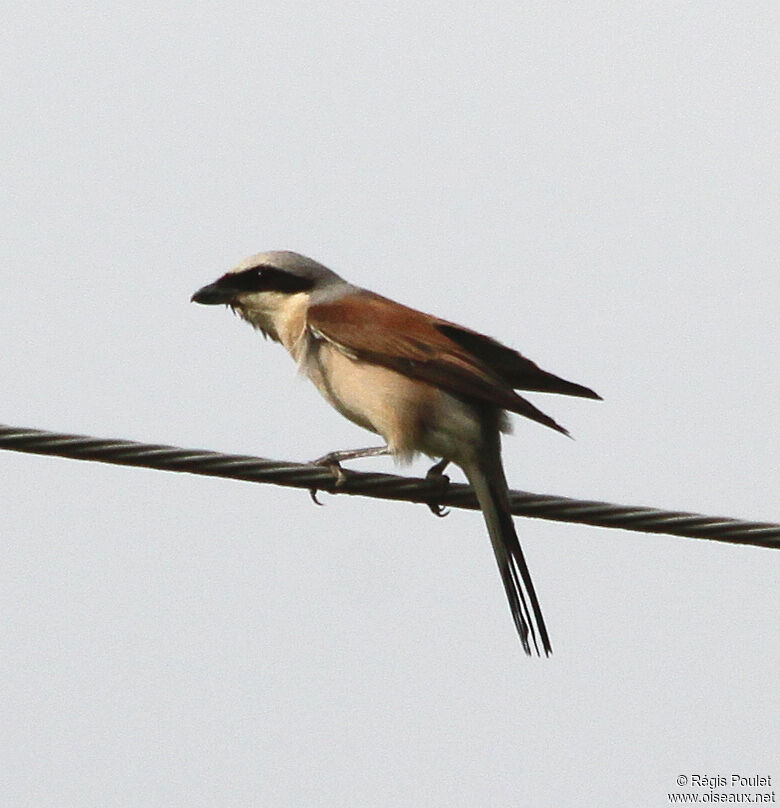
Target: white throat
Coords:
[(282, 317)]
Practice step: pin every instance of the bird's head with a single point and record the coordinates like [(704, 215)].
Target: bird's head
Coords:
[(264, 288)]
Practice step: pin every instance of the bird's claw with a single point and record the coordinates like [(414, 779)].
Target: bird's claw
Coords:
[(435, 475), (438, 510), (331, 462)]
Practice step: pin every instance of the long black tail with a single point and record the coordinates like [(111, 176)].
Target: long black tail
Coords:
[(491, 489)]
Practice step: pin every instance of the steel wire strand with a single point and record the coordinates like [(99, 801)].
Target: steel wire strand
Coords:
[(383, 486)]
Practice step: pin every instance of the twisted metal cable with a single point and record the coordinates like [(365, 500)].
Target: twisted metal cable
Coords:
[(383, 486)]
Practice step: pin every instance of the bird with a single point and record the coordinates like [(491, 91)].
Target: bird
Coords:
[(425, 385)]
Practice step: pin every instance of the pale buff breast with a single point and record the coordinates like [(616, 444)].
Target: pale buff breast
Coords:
[(411, 416)]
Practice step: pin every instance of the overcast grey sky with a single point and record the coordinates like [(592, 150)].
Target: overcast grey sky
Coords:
[(595, 184)]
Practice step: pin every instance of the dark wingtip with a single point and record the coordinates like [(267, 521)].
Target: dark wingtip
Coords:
[(557, 427), (567, 388), (588, 393)]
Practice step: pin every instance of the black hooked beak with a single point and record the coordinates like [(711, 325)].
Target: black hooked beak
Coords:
[(215, 294)]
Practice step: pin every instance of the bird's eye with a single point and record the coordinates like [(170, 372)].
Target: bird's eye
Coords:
[(266, 279), (249, 280)]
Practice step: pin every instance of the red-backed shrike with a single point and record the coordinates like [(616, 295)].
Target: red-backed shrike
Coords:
[(423, 384)]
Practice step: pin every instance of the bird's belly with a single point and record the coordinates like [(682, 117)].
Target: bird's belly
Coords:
[(412, 416)]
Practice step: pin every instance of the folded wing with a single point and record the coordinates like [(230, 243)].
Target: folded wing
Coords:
[(521, 373), (420, 346)]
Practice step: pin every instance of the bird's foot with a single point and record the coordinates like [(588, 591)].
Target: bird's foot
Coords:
[(332, 461), (436, 475), (329, 461)]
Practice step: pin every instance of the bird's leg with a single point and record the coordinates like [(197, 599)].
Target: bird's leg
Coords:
[(332, 460), (335, 458), (436, 474)]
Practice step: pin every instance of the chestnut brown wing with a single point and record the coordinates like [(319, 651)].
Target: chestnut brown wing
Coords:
[(372, 328)]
